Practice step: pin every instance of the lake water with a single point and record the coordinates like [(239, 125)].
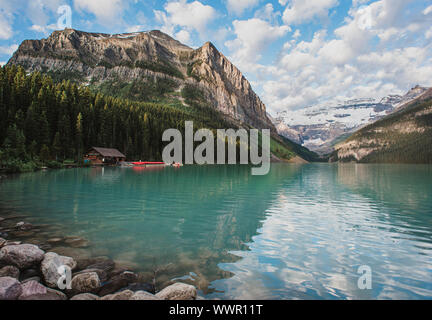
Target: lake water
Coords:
[(301, 232)]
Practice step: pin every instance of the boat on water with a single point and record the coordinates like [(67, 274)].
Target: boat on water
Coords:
[(146, 164)]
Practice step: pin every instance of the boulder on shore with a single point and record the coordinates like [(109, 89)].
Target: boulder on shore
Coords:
[(144, 295), (118, 282), (85, 297), (50, 265), (33, 290), (178, 291), (85, 282), (123, 295), (10, 271), (10, 288), (22, 256)]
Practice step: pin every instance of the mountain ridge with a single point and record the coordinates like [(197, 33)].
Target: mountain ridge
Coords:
[(94, 58), (404, 136), (320, 127)]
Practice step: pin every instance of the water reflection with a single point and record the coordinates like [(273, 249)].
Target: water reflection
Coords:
[(300, 232)]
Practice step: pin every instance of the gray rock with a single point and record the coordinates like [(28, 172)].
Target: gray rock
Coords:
[(118, 282), (10, 288), (37, 279), (85, 282), (123, 295), (178, 291), (105, 265), (23, 226), (33, 290), (144, 295), (85, 296), (10, 271), (22, 256), (101, 273), (50, 265), (142, 286)]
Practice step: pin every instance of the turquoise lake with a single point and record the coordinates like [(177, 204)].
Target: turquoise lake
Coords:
[(300, 232)]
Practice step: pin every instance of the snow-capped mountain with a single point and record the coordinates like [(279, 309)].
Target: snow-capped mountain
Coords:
[(318, 127)]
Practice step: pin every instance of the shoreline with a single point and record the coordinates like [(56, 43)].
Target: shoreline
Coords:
[(29, 270)]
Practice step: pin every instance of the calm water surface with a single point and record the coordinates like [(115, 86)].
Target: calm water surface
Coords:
[(300, 232)]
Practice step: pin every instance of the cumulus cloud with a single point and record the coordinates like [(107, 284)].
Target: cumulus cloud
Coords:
[(349, 63), (186, 16), (239, 6), (252, 38), (299, 11), (8, 50), (107, 12)]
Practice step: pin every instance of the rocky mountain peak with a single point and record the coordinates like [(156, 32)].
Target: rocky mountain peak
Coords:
[(145, 56)]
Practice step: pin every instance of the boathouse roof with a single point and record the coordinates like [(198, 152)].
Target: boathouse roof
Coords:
[(109, 153)]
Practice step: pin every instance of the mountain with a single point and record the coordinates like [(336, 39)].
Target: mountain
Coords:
[(320, 127), (402, 137), (148, 75), (145, 66)]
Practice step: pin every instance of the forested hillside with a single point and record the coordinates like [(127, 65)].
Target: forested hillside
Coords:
[(403, 137), (43, 122)]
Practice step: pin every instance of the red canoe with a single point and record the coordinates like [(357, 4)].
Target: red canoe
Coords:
[(146, 163)]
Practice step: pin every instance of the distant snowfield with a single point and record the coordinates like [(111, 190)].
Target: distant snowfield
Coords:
[(316, 127), (349, 116)]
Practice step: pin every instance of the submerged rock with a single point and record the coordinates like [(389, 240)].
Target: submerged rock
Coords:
[(23, 226), (85, 296), (10, 271), (86, 282), (10, 288), (103, 276), (178, 291), (22, 256), (118, 282), (141, 287), (50, 265)]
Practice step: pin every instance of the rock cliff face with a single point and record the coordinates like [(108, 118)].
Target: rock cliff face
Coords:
[(94, 58)]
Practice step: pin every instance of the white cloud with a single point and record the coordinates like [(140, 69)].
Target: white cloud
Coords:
[(8, 50), (136, 28), (107, 12), (268, 13), (253, 37), (183, 36), (349, 63), (239, 6), (2, 63), (299, 11), (187, 16), (43, 29), (428, 10)]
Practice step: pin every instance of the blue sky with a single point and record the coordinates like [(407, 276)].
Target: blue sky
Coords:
[(296, 53)]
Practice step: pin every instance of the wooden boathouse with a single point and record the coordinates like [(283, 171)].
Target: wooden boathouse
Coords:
[(101, 156)]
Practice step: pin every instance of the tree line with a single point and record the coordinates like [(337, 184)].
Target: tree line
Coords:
[(42, 121)]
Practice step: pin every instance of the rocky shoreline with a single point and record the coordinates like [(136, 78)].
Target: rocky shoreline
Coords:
[(31, 272)]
